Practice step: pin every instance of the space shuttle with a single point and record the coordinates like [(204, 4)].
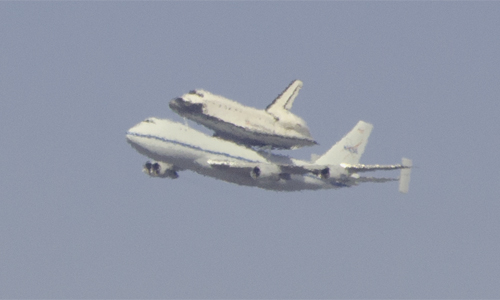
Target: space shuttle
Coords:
[(274, 127)]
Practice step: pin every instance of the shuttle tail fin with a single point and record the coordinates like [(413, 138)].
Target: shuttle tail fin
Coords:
[(350, 148), (286, 98)]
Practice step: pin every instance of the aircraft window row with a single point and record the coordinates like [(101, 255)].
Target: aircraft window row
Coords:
[(227, 107)]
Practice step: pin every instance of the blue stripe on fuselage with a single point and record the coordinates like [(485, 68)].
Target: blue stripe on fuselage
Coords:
[(188, 146)]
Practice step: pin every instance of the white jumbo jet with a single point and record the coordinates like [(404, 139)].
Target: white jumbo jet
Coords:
[(275, 127), (175, 147)]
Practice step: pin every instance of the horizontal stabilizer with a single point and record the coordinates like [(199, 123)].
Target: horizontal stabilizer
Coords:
[(368, 168), (375, 179), (404, 178)]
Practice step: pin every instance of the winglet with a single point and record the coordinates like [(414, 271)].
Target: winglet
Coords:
[(404, 178), (285, 99)]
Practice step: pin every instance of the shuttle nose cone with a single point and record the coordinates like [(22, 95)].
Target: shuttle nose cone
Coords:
[(181, 106)]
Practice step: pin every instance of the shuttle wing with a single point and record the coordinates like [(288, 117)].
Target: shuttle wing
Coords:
[(285, 99)]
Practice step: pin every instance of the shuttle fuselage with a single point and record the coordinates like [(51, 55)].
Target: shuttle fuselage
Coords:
[(275, 127)]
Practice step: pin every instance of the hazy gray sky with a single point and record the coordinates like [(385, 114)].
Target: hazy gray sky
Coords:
[(78, 218)]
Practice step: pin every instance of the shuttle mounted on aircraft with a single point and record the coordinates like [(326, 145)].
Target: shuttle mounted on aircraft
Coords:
[(174, 147), (275, 127)]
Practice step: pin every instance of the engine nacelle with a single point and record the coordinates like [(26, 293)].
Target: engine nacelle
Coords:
[(266, 172), (322, 173), (325, 173), (160, 169)]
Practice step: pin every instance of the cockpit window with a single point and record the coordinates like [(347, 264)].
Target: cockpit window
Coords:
[(195, 92), (149, 120)]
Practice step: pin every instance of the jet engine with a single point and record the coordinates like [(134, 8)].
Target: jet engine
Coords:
[(325, 173), (160, 169), (322, 173), (266, 172)]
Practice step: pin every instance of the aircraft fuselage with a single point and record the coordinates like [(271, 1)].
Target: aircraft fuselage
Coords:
[(188, 149)]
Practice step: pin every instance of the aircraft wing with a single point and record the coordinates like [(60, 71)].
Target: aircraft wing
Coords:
[(319, 170), (272, 170), (375, 179), (282, 168), (225, 164), (285, 99)]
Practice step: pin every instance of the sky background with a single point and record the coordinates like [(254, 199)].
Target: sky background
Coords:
[(78, 218)]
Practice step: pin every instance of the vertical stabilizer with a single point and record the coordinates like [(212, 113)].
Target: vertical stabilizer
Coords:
[(350, 148), (404, 178), (285, 99)]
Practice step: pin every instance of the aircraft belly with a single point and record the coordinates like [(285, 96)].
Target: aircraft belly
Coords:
[(296, 183), (251, 136), (195, 160), (192, 159)]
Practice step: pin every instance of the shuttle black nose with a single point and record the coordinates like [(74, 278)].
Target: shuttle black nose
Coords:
[(175, 103), (180, 106)]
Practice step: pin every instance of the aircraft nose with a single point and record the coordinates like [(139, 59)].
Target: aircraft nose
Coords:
[(133, 134), (131, 139)]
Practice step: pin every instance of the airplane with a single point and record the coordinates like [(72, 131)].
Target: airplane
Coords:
[(174, 147), (275, 127)]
